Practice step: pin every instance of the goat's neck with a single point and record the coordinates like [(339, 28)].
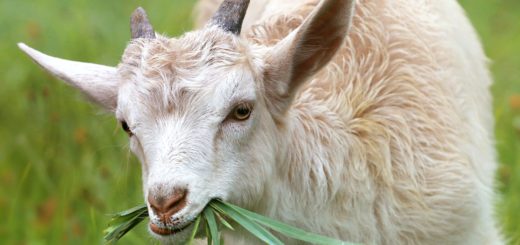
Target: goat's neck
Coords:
[(297, 179)]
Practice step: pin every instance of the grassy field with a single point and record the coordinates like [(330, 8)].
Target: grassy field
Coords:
[(65, 165)]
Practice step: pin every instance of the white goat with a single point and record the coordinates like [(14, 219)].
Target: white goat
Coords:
[(382, 135)]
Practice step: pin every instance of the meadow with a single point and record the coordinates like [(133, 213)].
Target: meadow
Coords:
[(65, 164)]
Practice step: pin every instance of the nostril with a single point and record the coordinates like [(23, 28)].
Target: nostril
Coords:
[(177, 201), (165, 207), (155, 203)]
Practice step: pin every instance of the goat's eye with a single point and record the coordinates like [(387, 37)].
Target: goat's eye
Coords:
[(125, 127), (241, 112)]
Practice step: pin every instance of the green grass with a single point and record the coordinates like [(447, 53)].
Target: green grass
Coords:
[(212, 220), (65, 165), (498, 23)]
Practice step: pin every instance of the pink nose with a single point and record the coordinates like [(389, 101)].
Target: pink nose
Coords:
[(166, 207)]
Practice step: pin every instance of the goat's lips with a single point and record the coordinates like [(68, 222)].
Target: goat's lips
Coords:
[(161, 231)]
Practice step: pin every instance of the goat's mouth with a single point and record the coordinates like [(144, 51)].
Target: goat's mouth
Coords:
[(166, 231), (180, 226)]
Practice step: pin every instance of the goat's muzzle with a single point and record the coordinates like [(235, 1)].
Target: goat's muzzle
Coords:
[(165, 207)]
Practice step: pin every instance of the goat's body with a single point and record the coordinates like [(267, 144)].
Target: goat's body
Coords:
[(391, 143)]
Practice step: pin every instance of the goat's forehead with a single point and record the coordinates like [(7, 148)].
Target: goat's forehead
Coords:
[(166, 73), (195, 51), (205, 93)]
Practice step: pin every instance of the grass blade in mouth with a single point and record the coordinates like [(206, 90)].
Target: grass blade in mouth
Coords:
[(223, 221), (123, 222), (254, 223), (194, 231), (282, 228), (212, 225), (251, 226)]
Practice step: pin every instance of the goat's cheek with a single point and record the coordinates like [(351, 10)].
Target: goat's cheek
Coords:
[(239, 131), (137, 149)]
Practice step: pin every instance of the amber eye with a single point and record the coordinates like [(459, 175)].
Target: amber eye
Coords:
[(241, 112), (125, 127)]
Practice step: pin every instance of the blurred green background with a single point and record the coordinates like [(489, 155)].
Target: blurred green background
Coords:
[(65, 164)]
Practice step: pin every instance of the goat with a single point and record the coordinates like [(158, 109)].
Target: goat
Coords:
[(367, 121)]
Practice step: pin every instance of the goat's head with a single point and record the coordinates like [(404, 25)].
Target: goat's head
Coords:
[(204, 111)]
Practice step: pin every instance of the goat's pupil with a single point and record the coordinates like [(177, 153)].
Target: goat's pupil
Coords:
[(243, 111)]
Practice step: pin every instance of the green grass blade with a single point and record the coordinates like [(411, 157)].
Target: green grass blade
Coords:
[(194, 232), (212, 224), (284, 229), (120, 231), (223, 221), (209, 239), (123, 222), (138, 209), (254, 228)]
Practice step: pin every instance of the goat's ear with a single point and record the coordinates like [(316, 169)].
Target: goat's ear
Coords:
[(98, 82), (306, 50)]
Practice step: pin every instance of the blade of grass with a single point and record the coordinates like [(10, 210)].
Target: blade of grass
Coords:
[(223, 221), (285, 229), (212, 224), (209, 239), (119, 222), (139, 209), (123, 222), (194, 232), (122, 230), (254, 228)]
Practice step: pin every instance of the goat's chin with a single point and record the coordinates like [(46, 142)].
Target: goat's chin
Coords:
[(179, 236)]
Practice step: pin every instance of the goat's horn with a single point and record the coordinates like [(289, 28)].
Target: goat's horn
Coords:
[(140, 25), (230, 15)]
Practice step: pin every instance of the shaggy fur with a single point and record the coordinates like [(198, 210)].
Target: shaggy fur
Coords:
[(390, 143)]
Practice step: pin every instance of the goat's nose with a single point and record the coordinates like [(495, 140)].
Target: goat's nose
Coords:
[(166, 206)]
